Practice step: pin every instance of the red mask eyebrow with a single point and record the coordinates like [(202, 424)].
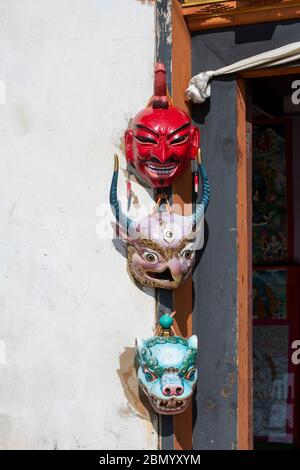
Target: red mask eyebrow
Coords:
[(185, 126), (141, 126)]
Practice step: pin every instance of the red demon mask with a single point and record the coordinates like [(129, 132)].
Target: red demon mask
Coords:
[(162, 140)]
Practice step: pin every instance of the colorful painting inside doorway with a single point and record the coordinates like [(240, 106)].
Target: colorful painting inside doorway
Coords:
[(270, 224), (273, 415), (270, 294)]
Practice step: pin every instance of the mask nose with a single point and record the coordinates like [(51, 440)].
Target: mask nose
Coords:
[(171, 385), (163, 150), (172, 389)]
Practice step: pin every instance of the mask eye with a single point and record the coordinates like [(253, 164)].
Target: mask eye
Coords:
[(187, 254), (179, 140), (145, 140), (190, 375), (150, 257), (150, 376)]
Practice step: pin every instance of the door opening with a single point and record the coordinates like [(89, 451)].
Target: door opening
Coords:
[(275, 129)]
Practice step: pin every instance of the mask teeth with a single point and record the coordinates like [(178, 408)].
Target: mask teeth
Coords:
[(169, 405), (161, 169)]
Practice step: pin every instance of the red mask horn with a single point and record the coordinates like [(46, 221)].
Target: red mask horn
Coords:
[(160, 98)]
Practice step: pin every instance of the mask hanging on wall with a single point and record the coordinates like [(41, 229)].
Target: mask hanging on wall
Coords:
[(167, 371), (161, 141), (161, 247), (160, 144)]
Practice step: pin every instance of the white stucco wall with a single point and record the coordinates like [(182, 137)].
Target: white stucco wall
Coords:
[(74, 72)]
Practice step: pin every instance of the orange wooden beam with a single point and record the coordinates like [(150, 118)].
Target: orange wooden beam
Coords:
[(212, 15), (244, 226), (182, 194)]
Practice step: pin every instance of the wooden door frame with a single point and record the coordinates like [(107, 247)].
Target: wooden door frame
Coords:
[(182, 194), (244, 269), (244, 217), (181, 73)]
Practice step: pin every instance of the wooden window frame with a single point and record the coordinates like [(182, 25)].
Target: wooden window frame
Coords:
[(201, 15)]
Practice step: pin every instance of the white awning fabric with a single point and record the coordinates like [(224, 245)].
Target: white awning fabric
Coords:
[(199, 87)]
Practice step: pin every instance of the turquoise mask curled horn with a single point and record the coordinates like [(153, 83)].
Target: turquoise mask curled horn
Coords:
[(161, 247), (167, 369)]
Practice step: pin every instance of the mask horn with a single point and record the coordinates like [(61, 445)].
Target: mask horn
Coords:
[(160, 98), (160, 86), (121, 218), (205, 194), (205, 187)]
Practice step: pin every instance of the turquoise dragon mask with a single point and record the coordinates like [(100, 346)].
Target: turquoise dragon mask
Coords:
[(167, 368)]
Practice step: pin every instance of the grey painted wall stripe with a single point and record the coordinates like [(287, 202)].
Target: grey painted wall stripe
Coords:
[(164, 37)]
